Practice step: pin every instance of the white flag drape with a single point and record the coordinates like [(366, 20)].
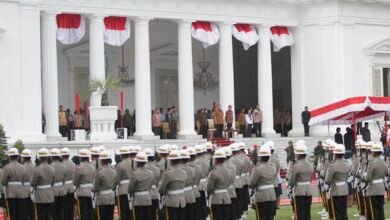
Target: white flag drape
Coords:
[(281, 37), (205, 32), (117, 30), (245, 33), (70, 28)]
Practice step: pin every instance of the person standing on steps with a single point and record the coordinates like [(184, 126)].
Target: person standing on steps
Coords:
[(305, 115)]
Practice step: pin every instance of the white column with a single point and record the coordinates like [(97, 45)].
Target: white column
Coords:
[(226, 72), (186, 84), (264, 78), (297, 83), (142, 80), (49, 75), (97, 69)]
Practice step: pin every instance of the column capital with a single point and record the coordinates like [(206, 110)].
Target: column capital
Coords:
[(142, 20), (263, 27), (185, 22), (225, 24), (50, 14), (96, 17)]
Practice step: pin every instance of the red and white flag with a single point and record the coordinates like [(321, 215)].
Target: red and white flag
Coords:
[(205, 32), (117, 30), (245, 33), (70, 28), (281, 37)]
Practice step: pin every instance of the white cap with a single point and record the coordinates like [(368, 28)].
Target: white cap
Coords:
[(141, 157), (65, 151), (84, 152), (55, 152), (95, 150), (149, 152), (43, 152), (339, 149), (124, 150), (173, 147), (137, 149), (198, 149), (102, 147), (104, 155), (191, 150), (264, 151), (13, 152), (208, 145), (241, 145), (220, 153), (163, 149), (228, 151), (377, 147), (185, 154), (174, 155), (26, 153), (234, 147), (271, 145), (300, 149)]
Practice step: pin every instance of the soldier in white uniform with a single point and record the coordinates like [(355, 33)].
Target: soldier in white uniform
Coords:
[(68, 184), (29, 165)]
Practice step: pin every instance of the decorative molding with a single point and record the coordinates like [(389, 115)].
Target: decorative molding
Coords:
[(380, 47)]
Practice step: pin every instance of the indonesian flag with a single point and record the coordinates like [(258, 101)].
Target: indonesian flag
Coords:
[(117, 30), (70, 28), (281, 37), (205, 32), (245, 33)]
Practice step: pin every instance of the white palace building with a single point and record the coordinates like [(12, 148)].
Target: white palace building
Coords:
[(338, 49)]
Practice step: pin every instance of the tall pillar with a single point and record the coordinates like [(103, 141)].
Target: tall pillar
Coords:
[(226, 71), (264, 78), (186, 84), (49, 75), (142, 80), (97, 67), (297, 83)]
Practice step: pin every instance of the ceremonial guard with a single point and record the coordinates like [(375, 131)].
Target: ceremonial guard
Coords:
[(205, 165), (140, 190), (197, 176), (300, 179), (172, 187), (42, 182), (276, 163), (238, 163), (352, 175), (336, 181), (95, 151), (359, 184), (230, 179), (217, 188), (322, 169), (69, 200), (376, 171), (58, 186), (29, 166), (13, 179), (83, 178), (154, 194), (124, 177), (188, 191), (103, 188), (162, 162), (245, 176), (262, 182)]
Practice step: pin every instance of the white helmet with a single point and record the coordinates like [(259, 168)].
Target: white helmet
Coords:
[(149, 152), (84, 153), (13, 152), (185, 154), (55, 152), (124, 150), (300, 149), (208, 145), (95, 150), (377, 147), (271, 145), (174, 155), (234, 147), (102, 147), (241, 145), (300, 142), (43, 152), (163, 149), (26, 153), (220, 153), (104, 155), (173, 147), (339, 149), (265, 151), (65, 151), (191, 150), (198, 149), (141, 157), (137, 148), (228, 151)]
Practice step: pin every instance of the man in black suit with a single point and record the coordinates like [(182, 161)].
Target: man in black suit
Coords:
[(365, 132), (305, 120)]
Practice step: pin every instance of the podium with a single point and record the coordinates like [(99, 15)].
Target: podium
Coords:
[(77, 135)]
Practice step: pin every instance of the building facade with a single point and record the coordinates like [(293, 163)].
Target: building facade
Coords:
[(341, 49)]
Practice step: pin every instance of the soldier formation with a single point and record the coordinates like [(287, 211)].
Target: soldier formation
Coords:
[(195, 183)]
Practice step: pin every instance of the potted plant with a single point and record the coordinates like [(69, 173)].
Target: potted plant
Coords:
[(102, 116)]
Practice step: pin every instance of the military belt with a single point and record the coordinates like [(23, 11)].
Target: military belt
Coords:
[(203, 180), (85, 185), (68, 182), (124, 182), (231, 186), (265, 187), (14, 183), (220, 191), (44, 186), (188, 188), (175, 192), (58, 184), (243, 174), (154, 186), (237, 177), (143, 193), (303, 183), (340, 184), (194, 186), (377, 181), (106, 192), (26, 184)]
